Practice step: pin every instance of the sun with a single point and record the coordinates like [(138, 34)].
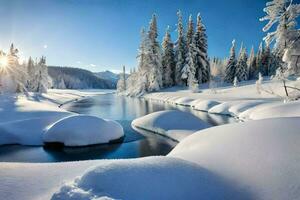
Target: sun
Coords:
[(3, 62)]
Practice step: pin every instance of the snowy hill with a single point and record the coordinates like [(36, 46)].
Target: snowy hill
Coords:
[(76, 78), (108, 75)]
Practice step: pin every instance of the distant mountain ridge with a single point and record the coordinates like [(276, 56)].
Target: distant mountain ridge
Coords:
[(76, 78), (108, 75)]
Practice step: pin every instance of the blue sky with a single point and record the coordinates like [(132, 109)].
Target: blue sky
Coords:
[(104, 34)]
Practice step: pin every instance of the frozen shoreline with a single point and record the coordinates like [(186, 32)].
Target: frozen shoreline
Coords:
[(209, 149), (29, 117)]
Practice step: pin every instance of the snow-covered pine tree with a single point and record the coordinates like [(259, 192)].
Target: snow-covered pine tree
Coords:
[(252, 70), (202, 61), (180, 51), (15, 71), (137, 82), (259, 58), (266, 61), (33, 74), (168, 60), (190, 31), (153, 60), (241, 72), (121, 85), (231, 65), (189, 69), (283, 13), (42, 84), (43, 76)]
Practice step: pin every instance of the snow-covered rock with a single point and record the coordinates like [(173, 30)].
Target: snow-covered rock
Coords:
[(82, 130), (204, 105), (172, 123), (148, 178), (260, 156)]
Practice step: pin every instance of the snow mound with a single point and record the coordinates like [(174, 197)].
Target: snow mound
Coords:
[(243, 106), (184, 101), (147, 178), (261, 155), (172, 123), (82, 130), (205, 105), (223, 108), (289, 109)]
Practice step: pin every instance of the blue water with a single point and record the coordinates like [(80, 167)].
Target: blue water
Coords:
[(110, 106)]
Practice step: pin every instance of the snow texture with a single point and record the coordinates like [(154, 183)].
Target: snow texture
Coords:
[(204, 105), (72, 131), (147, 178), (28, 117), (172, 123), (261, 156)]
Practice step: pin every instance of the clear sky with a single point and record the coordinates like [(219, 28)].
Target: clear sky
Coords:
[(104, 34)]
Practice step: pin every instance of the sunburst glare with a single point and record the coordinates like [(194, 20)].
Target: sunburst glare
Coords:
[(3, 62)]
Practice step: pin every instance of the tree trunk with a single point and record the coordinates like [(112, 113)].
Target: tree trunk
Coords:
[(285, 88)]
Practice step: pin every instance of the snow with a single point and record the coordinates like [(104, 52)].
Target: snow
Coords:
[(72, 131), (147, 178), (222, 108), (184, 101), (288, 109), (265, 162), (204, 105), (172, 123), (243, 106), (29, 181), (244, 101), (24, 119)]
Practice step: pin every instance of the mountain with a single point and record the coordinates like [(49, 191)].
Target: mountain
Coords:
[(76, 78), (110, 76)]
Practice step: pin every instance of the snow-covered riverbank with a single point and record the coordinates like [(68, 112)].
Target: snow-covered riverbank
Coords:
[(244, 102), (25, 118), (230, 161)]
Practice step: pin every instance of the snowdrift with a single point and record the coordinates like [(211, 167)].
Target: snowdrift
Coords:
[(204, 105), (83, 130), (147, 178), (262, 156), (172, 123)]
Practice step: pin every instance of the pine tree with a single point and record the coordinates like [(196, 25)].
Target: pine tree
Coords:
[(231, 65), (190, 66), (154, 58), (121, 85), (42, 82), (168, 60), (143, 59), (252, 71), (33, 75), (16, 72), (190, 31), (180, 51), (284, 14), (259, 58), (266, 61), (202, 61), (241, 72)]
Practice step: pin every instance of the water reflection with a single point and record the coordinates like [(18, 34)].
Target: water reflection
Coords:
[(122, 109)]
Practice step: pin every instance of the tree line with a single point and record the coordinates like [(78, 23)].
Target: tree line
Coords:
[(183, 63), (30, 76), (186, 63)]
